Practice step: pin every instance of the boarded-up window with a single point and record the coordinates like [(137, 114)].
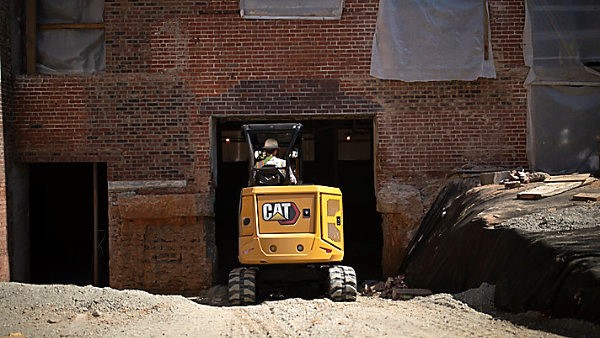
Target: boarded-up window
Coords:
[(291, 9), (65, 37)]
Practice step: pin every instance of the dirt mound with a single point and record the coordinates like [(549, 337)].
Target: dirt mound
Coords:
[(70, 311), (73, 311)]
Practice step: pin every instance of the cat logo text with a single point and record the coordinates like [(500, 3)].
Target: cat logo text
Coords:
[(286, 213)]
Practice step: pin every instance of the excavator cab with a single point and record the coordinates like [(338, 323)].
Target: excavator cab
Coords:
[(286, 136), (288, 231)]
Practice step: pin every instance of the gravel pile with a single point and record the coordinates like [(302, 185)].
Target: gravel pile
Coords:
[(480, 299), (570, 218)]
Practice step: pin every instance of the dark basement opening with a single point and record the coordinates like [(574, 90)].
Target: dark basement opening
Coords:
[(68, 223), (337, 152)]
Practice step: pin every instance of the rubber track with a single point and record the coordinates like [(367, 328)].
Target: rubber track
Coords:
[(342, 283), (242, 286)]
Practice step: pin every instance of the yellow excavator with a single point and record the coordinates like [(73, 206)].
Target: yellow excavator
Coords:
[(288, 231)]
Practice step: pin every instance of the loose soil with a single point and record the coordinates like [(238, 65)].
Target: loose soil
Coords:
[(71, 311)]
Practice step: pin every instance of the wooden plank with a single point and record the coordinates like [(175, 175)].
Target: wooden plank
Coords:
[(30, 36), (568, 178), (411, 292), (565, 83), (587, 196), (547, 190), (486, 37), (512, 184), (48, 26)]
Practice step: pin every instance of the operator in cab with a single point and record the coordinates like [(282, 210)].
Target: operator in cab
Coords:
[(270, 148)]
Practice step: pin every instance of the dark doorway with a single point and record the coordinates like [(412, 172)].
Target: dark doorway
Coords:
[(336, 153), (68, 218)]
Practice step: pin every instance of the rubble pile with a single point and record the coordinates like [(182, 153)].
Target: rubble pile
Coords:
[(393, 288), (517, 178)]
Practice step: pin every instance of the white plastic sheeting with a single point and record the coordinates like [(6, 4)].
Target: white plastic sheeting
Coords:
[(562, 49), (70, 51), (71, 11), (562, 41), (563, 123), (432, 40)]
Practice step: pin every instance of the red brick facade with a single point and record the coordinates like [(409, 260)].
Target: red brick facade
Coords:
[(171, 65)]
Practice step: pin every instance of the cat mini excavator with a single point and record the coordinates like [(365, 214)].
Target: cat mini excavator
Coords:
[(288, 233)]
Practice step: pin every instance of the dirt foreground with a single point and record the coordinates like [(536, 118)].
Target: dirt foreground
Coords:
[(71, 311)]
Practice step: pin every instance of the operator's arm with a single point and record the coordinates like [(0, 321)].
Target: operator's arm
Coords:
[(280, 163)]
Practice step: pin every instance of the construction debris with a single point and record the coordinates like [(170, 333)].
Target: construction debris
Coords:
[(547, 190), (517, 178), (371, 288), (592, 196), (393, 288), (555, 187), (512, 184), (568, 178), (494, 177)]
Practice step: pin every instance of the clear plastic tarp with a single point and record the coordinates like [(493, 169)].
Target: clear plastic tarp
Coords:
[(291, 9), (71, 11), (562, 41), (562, 49), (564, 123), (431, 40), (72, 50)]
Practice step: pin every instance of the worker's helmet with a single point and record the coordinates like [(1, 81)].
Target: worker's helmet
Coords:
[(271, 144)]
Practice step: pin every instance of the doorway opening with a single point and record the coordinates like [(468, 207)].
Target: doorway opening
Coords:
[(68, 223), (337, 153)]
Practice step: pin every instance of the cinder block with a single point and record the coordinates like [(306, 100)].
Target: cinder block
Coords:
[(493, 177)]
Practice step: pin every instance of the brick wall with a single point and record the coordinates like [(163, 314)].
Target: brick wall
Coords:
[(171, 65)]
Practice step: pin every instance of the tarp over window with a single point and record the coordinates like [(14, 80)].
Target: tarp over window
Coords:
[(562, 49), (431, 40), (562, 41), (563, 125), (72, 11), (69, 49)]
